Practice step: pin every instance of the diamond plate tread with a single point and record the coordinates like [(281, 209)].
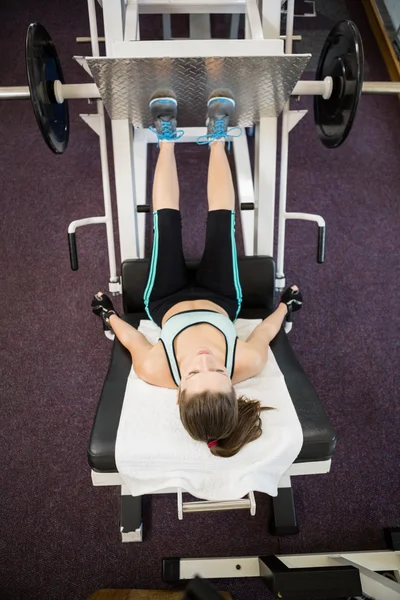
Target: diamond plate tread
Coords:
[(260, 85)]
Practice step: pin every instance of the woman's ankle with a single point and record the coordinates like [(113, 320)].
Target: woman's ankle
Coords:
[(167, 144)]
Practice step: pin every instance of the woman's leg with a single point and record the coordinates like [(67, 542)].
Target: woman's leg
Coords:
[(220, 190), (218, 270), (167, 270), (165, 184)]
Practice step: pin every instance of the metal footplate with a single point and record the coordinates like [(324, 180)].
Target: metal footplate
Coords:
[(127, 84)]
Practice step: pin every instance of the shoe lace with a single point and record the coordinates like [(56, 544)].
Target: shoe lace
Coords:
[(219, 128), (220, 131), (167, 132), (166, 129)]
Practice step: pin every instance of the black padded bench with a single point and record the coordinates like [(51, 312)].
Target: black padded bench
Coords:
[(257, 276)]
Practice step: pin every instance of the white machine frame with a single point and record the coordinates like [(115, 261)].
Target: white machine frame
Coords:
[(114, 479), (370, 565), (122, 35)]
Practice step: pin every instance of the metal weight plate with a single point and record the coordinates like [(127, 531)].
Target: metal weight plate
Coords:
[(342, 58), (43, 68)]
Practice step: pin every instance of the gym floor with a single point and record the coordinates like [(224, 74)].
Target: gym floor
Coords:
[(59, 535)]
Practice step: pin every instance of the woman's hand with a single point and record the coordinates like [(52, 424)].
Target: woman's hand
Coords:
[(103, 307), (292, 298), (264, 333)]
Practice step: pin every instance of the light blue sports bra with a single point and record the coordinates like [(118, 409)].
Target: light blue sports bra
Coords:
[(183, 320)]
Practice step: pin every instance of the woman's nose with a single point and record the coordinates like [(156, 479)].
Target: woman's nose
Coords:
[(205, 361)]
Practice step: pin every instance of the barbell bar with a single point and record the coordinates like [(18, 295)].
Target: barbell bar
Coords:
[(324, 88), (90, 91), (62, 91), (339, 82), (87, 40)]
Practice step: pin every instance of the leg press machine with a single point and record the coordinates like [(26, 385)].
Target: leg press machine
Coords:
[(126, 77)]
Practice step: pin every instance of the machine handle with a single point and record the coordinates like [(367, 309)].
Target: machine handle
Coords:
[(143, 208), (73, 252), (321, 244)]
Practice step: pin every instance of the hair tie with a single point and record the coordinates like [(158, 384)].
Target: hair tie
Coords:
[(212, 444)]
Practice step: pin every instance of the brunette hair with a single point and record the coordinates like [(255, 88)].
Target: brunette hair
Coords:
[(215, 416)]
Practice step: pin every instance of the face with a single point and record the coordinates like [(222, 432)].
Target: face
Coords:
[(202, 371)]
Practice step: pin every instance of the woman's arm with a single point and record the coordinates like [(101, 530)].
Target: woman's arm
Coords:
[(149, 365), (261, 337), (270, 327), (130, 337), (264, 333)]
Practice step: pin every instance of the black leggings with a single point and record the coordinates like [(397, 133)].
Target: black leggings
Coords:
[(217, 277)]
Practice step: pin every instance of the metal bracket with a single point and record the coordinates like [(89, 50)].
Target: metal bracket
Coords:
[(295, 116), (280, 283), (115, 287), (305, 14), (311, 14), (81, 60), (93, 120)]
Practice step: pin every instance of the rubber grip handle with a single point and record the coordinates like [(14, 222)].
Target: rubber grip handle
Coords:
[(73, 252), (143, 208), (321, 244)]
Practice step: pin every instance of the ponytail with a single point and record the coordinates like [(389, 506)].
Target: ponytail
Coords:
[(248, 428), (215, 416)]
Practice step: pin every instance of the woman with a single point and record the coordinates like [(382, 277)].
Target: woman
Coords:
[(198, 351)]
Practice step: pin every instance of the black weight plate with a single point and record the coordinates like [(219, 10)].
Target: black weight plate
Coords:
[(342, 58), (43, 67)]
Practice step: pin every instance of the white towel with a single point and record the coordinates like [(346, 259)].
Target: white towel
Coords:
[(154, 452)]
